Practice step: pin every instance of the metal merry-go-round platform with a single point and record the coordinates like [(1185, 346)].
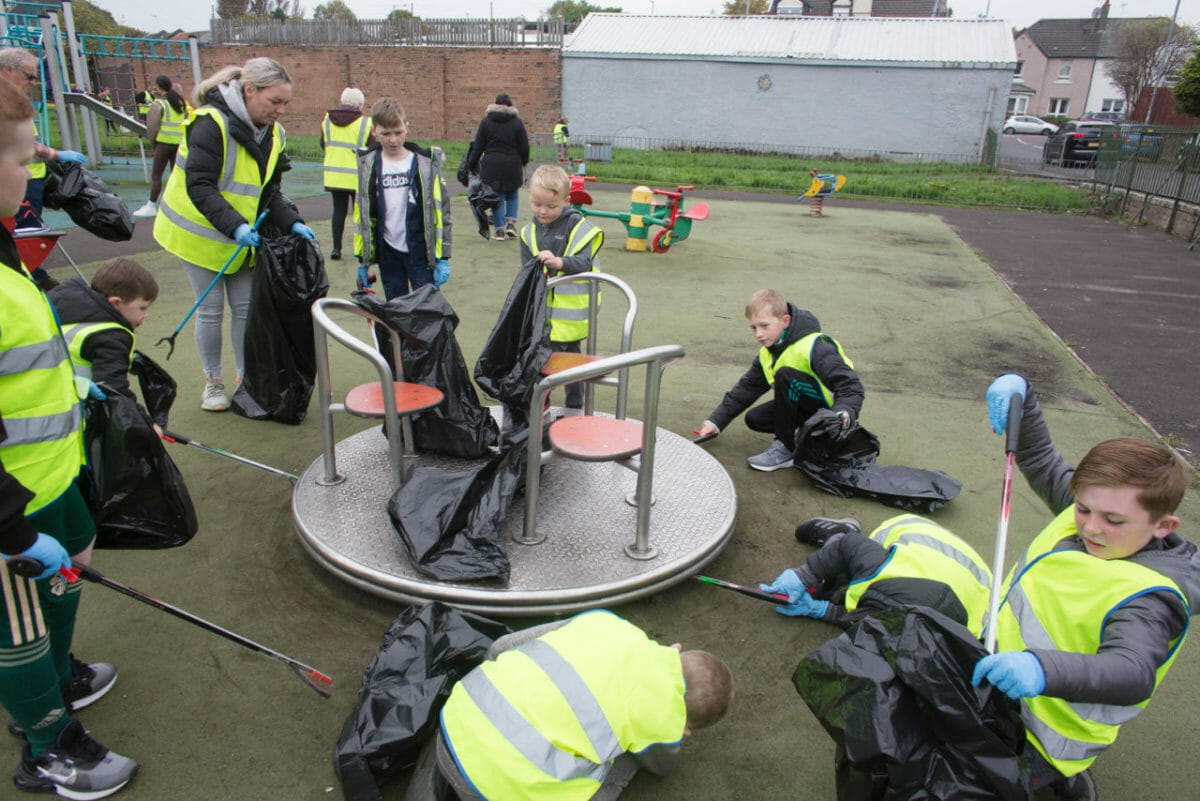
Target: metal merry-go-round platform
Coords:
[(582, 509)]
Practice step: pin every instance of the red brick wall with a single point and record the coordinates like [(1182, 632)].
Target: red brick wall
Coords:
[(445, 90), (1164, 112)]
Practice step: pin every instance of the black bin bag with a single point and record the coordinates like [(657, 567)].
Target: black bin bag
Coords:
[(89, 202), (157, 386), (894, 692), (459, 426), (137, 495), (281, 364), (483, 200), (425, 651)]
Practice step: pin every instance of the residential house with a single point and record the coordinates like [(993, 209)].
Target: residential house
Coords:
[(861, 8)]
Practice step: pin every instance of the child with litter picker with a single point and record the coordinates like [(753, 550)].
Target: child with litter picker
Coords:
[(43, 516), (1095, 609), (906, 561), (402, 208), (566, 244), (806, 368)]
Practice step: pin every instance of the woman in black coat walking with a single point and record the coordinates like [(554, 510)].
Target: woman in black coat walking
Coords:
[(503, 144)]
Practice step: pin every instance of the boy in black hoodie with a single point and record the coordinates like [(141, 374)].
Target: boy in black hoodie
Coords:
[(808, 370), (98, 320)]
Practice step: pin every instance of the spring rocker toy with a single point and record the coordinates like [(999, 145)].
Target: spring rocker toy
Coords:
[(823, 185), (646, 208)]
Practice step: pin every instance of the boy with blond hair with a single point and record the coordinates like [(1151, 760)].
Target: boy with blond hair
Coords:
[(562, 239), (1096, 608), (401, 208), (807, 370)]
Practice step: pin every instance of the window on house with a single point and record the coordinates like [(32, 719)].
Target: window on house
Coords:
[(1020, 68), (1058, 105), (1021, 104), (1064, 71), (1117, 105)]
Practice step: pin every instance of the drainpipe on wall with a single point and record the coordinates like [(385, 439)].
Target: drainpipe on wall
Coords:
[(987, 118)]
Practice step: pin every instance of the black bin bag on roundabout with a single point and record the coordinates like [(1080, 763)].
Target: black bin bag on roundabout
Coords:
[(89, 202), (842, 462), (449, 519), (137, 495), (894, 692), (281, 364), (425, 651), (460, 425)]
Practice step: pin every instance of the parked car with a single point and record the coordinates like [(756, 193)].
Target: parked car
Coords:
[(1022, 123), (1075, 145), (1111, 116), (1144, 140)]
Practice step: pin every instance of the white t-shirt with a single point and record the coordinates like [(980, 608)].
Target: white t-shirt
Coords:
[(396, 175)]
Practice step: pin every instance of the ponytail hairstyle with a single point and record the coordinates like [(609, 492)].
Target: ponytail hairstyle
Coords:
[(258, 72), (169, 93)]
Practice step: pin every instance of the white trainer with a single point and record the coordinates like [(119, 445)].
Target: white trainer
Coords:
[(150, 209)]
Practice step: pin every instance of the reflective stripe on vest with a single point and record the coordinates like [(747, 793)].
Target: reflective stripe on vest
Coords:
[(1061, 600), (798, 356), (76, 336), (342, 143), (560, 134), (919, 548), (568, 302), (37, 169), (42, 415), (170, 128), (432, 195), (181, 229)]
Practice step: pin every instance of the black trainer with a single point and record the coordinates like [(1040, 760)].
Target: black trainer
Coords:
[(817, 530), (1080, 787), (76, 767)]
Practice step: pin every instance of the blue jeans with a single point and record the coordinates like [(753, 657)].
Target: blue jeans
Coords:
[(507, 210), (401, 273)]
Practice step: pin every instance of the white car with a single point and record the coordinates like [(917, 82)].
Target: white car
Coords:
[(1022, 123)]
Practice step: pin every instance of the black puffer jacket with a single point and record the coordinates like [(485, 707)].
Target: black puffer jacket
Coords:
[(503, 144), (107, 350)]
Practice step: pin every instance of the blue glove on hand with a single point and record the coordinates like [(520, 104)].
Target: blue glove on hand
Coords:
[(800, 603), (94, 391), (245, 237), (998, 394), (87, 388), (71, 157), (441, 272), (1017, 674), (49, 552), (364, 277), (303, 230)]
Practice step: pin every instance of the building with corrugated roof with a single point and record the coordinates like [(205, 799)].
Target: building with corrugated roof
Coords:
[(851, 84)]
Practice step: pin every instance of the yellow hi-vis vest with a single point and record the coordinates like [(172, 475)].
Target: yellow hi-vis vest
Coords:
[(38, 400), (560, 134), (544, 721), (76, 336), (37, 169), (436, 213), (170, 127), (798, 356), (143, 103), (920, 548), (1061, 600), (568, 302), (181, 229), (342, 143)]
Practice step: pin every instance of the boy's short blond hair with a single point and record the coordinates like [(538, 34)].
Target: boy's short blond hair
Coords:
[(388, 113), (709, 684), (767, 300), (1159, 473), (552, 178), (125, 279)]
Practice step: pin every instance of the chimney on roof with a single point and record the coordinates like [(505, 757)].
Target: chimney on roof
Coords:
[(1104, 10)]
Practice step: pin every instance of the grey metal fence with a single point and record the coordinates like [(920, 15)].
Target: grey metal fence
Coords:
[(513, 32), (1156, 162)]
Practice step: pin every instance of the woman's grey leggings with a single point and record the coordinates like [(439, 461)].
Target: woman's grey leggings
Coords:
[(210, 315)]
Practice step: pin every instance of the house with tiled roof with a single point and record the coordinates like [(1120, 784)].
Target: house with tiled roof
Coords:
[(1060, 66), (861, 8)]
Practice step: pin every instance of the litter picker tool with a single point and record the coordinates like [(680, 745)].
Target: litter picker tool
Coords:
[(171, 436), (753, 592), (31, 568), (1012, 433), (171, 339), (697, 437)]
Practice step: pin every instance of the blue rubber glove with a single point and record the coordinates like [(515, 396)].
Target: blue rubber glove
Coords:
[(998, 394), (49, 552), (303, 230), (441, 272), (245, 237), (800, 603), (364, 277), (1017, 674), (94, 391), (87, 388), (71, 157)]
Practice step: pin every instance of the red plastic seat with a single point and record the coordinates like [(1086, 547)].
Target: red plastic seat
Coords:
[(366, 400), (562, 360), (596, 439), (697, 212)]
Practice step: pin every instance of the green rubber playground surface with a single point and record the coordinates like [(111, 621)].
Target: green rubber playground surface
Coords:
[(927, 324)]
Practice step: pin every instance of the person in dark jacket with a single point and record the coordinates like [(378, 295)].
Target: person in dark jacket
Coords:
[(807, 369), (503, 145), (208, 211)]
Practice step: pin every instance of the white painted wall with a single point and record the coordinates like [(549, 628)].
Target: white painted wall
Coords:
[(1102, 89)]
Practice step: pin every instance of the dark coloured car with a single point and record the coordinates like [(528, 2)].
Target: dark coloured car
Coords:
[(1143, 140), (1076, 143)]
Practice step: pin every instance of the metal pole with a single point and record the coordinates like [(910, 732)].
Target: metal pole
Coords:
[(79, 68), (1163, 66), (194, 51), (66, 132)]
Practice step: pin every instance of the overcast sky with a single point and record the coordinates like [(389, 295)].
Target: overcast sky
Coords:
[(151, 15)]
